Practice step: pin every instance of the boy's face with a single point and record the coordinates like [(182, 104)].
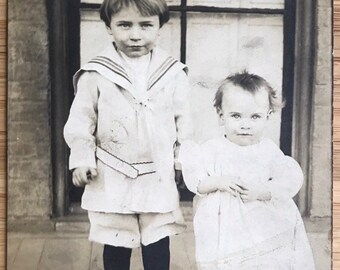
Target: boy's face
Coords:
[(134, 34), (244, 114)]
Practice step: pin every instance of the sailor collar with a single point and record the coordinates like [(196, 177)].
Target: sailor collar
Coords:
[(109, 64)]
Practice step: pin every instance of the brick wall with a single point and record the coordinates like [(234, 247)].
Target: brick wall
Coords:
[(321, 166), (29, 166), (29, 171)]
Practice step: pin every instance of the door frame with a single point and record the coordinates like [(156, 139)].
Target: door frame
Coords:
[(64, 36)]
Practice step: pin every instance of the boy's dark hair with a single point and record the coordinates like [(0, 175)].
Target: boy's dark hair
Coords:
[(146, 7), (251, 83)]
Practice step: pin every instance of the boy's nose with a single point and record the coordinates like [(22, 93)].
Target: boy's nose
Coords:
[(135, 34)]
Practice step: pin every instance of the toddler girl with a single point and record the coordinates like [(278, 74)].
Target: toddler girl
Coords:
[(245, 215)]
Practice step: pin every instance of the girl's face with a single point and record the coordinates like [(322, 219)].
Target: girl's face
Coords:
[(134, 34), (244, 114)]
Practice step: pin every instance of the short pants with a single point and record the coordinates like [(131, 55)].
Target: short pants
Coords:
[(132, 230)]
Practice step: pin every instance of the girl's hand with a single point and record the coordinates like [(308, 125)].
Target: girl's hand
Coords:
[(253, 192), (228, 184), (83, 175)]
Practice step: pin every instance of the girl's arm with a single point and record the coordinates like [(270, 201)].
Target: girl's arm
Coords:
[(192, 165), (196, 176), (82, 122), (224, 183), (287, 179)]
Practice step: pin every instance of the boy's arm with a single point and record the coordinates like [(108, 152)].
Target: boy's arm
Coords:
[(181, 106), (81, 124), (287, 179)]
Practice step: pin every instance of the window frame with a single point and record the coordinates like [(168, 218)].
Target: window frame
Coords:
[(64, 25)]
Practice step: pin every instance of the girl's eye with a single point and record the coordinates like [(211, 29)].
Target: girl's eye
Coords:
[(236, 116), (255, 116)]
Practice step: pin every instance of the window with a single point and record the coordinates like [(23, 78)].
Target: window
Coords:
[(214, 38)]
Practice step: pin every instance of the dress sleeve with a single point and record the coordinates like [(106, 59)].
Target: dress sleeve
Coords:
[(190, 157), (286, 178), (181, 106), (82, 122)]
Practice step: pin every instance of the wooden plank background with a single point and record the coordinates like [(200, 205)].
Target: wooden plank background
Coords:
[(336, 138), (3, 120)]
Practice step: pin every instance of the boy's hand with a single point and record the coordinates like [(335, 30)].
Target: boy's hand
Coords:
[(179, 179), (253, 192), (83, 175)]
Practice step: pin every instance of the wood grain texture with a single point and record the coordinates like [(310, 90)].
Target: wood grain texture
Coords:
[(3, 121), (336, 138), (336, 134)]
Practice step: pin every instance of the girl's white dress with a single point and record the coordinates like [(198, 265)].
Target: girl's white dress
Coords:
[(232, 234)]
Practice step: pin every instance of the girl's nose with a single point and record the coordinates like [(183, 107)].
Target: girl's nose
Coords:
[(245, 125)]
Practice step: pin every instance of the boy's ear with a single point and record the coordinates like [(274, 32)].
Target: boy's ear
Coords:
[(109, 30), (220, 117)]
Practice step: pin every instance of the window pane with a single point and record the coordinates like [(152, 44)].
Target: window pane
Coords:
[(240, 3), (94, 36), (92, 1), (220, 44), (170, 2), (173, 2), (170, 36)]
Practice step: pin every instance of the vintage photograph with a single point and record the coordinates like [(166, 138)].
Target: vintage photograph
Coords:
[(179, 134)]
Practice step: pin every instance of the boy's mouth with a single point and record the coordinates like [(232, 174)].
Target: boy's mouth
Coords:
[(136, 47)]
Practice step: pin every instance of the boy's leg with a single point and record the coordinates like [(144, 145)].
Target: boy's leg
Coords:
[(116, 258), (156, 256)]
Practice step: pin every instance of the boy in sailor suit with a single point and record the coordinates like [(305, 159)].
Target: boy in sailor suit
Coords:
[(129, 115)]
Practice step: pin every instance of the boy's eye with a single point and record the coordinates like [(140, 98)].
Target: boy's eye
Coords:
[(124, 25), (146, 25), (255, 116)]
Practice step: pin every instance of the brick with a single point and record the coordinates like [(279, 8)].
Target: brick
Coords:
[(29, 169), (324, 3), (323, 95), (28, 133), (19, 52), (28, 150), (28, 32), (32, 111), (28, 208), (322, 122), (321, 182), (27, 90), (324, 55), (28, 71), (324, 60), (324, 17), (31, 10), (323, 75), (321, 203), (29, 198)]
